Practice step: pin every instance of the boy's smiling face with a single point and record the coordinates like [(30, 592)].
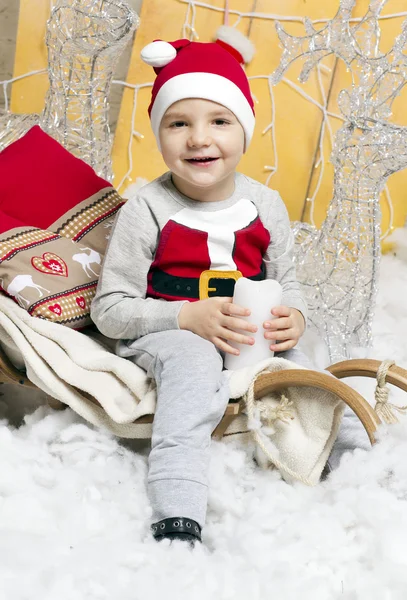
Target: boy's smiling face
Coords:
[(201, 142)]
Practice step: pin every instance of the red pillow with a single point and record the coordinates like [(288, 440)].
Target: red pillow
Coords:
[(40, 180), (7, 223), (56, 216)]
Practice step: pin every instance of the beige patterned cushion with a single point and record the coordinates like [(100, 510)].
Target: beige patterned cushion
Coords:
[(56, 215), (53, 274)]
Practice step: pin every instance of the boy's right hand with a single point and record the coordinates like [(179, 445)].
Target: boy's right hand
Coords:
[(214, 319)]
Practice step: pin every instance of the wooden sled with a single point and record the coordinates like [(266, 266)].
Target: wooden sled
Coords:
[(271, 382)]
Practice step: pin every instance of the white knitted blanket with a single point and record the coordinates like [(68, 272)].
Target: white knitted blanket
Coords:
[(69, 365)]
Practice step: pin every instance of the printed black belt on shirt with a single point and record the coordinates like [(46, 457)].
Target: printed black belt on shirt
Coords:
[(211, 283)]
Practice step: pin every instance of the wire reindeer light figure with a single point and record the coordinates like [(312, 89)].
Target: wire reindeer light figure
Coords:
[(85, 39), (338, 264)]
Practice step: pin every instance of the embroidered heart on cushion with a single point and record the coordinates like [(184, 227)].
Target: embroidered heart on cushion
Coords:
[(81, 302), (51, 264), (56, 309)]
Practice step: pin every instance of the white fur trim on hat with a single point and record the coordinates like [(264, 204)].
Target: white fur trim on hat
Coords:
[(233, 37), (207, 86), (158, 54)]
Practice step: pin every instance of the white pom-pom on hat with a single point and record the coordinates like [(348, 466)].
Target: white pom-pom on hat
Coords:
[(238, 41), (158, 54)]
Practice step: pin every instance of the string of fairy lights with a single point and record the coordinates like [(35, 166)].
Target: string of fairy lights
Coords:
[(189, 30)]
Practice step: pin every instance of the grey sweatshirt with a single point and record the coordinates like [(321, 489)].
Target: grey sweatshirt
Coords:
[(121, 309)]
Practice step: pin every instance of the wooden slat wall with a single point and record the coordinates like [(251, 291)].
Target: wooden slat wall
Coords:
[(31, 55), (298, 122)]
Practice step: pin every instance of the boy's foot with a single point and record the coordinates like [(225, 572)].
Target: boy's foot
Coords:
[(177, 528)]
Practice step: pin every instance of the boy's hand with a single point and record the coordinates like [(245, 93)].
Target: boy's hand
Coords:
[(214, 319), (287, 328)]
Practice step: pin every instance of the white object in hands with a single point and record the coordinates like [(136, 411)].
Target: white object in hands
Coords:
[(260, 297)]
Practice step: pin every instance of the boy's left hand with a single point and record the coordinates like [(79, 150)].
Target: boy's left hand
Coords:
[(287, 328)]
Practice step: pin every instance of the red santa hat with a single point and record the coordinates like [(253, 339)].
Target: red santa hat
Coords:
[(211, 71)]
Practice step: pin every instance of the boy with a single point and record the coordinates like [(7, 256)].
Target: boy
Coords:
[(200, 216)]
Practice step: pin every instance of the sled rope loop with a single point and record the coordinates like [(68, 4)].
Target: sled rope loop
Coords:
[(272, 413), (383, 408), (257, 409)]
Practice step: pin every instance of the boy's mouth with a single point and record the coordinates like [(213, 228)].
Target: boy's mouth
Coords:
[(201, 160)]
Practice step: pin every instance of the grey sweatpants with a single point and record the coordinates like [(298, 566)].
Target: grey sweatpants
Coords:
[(192, 395)]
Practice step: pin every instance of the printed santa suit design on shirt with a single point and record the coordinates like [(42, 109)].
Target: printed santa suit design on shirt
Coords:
[(194, 241)]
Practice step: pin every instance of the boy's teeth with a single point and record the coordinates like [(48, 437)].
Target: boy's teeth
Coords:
[(202, 159)]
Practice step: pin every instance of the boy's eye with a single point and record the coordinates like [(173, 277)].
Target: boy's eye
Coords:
[(178, 124), (221, 122)]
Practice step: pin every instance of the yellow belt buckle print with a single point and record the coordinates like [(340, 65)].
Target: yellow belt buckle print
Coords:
[(206, 276)]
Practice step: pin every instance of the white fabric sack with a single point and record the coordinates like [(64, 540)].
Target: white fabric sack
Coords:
[(294, 430)]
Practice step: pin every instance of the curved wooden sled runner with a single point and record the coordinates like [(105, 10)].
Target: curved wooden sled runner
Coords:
[(271, 382)]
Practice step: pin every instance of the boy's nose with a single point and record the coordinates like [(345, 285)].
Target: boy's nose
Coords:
[(199, 138)]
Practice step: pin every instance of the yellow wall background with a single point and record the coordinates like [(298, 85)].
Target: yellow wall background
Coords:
[(298, 121)]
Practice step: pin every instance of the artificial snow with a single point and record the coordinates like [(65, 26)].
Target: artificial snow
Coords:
[(74, 515)]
